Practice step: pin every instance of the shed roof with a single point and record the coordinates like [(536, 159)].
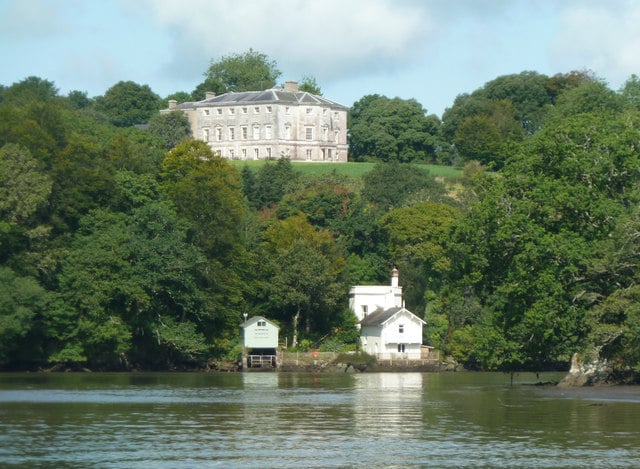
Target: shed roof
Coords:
[(251, 321), (380, 316)]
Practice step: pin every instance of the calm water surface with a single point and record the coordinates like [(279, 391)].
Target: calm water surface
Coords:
[(260, 420)]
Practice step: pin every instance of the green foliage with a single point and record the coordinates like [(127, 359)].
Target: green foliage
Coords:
[(270, 184), (383, 129), (310, 85), (115, 254), (387, 185), (172, 128), (127, 103), (249, 71), (23, 185), (126, 277), (305, 277), (193, 174), (22, 301)]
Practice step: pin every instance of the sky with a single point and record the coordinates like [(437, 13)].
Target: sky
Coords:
[(427, 50)]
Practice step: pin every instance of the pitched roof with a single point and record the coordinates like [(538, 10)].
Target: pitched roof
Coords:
[(255, 319), (263, 97), (381, 316)]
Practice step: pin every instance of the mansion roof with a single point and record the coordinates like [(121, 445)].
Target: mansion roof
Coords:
[(271, 96)]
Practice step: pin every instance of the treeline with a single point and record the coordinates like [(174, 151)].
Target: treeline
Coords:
[(123, 247)]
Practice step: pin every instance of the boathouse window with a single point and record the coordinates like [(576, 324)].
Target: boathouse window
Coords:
[(262, 323), (401, 329), (400, 348)]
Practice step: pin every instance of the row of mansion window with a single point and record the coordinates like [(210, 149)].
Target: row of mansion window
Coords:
[(256, 110), (257, 153), (218, 133)]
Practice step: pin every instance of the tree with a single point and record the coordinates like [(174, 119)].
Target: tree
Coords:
[(127, 103), (206, 190), (418, 240), (23, 184), (525, 248), (271, 183), (306, 266), (383, 129), (28, 90), (22, 302), (488, 137), (79, 99), (129, 287), (591, 96), (250, 71), (387, 185), (172, 127), (24, 189), (310, 85)]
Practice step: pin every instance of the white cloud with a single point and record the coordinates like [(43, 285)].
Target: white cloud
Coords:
[(326, 38), (603, 37)]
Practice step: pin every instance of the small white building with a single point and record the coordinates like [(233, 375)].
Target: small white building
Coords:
[(387, 329), (260, 342), (392, 333)]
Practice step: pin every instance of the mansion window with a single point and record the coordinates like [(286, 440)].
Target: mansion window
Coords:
[(309, 110), (325, 134), (256, 132), (309, 133), (256, 153), (287, 131), (206, 112), (232, 133), (268, 132), (219, 111), (269, 109), (205, 134), (244, 153), (268, 152), (245, 132), (244, 110), (219, 134), (309, 153), (232, 111), (256, 109)]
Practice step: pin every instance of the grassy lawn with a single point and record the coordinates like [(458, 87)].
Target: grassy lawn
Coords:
[(352, 170)]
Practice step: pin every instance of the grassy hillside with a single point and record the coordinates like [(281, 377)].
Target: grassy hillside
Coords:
[(354, 170)]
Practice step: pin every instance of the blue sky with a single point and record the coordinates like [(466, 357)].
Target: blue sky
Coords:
[(429, 50)]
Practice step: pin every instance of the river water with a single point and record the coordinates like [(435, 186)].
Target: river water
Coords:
[(262, 420)]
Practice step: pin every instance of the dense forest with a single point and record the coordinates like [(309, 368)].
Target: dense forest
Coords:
[(129, 246)]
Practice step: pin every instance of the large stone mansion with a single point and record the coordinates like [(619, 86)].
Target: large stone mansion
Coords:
[(274, 123)]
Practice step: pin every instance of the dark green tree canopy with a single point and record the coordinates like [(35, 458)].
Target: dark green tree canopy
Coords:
[(249, 71), (388, 185), (384, 129), (127, 103), (172, 127)]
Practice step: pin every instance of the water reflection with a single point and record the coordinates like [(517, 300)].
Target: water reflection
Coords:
[(387, 403), (310, 420)]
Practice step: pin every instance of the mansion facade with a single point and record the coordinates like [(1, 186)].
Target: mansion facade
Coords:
[(275, 123)]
